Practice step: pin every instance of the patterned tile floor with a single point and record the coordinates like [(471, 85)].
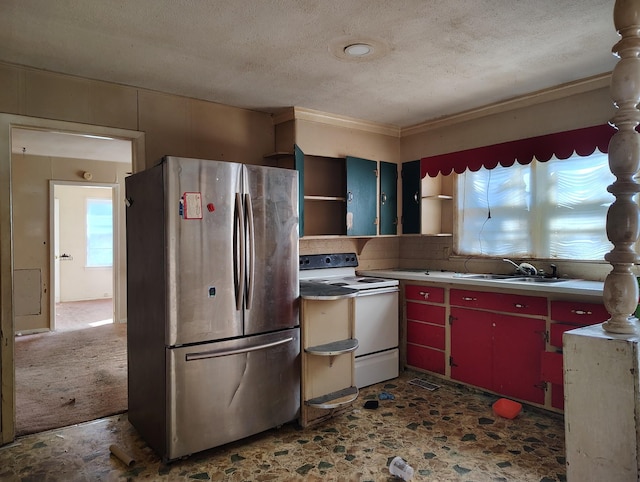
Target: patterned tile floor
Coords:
[(449, 434)]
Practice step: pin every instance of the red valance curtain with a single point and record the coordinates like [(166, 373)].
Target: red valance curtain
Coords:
[(561, 144)]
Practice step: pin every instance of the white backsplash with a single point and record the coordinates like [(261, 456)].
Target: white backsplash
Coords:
[(435, 252)]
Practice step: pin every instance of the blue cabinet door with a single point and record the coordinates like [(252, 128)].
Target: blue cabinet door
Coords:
[(388, 198), (361, 197), (411, 197)]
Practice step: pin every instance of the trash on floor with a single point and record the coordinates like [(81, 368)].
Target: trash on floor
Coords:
[(424, 384), (507, 408), (401, 468), (386, 396), (371, 404), (123, 456)]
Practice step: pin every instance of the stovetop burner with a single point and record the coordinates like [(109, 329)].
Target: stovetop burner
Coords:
[(339, 270)]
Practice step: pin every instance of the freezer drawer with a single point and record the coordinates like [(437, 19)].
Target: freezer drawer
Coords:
[(225, 391)]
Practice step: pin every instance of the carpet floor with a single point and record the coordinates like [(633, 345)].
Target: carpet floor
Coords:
[(68, 377)]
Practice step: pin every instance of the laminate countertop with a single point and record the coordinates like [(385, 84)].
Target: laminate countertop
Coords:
[(473, 280)]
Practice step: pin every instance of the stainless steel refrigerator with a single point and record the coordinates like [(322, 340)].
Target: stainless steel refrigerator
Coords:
[(212, 302)]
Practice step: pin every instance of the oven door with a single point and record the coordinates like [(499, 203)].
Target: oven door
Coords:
[(376, 323)]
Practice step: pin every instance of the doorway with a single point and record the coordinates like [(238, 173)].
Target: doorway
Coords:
[(84, 234), (68, 232), (8, 241)]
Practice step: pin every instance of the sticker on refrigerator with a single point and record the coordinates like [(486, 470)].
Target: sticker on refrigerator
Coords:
[(191, 205)]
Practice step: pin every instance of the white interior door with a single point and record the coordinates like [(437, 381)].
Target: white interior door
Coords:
[(56, 253)]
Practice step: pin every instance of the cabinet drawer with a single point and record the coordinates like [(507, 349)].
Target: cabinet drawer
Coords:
[(425, 312), (557, 330), (529, 305), (578, 313), (425, 334), (424, 293), (425, 358), (552, 368)]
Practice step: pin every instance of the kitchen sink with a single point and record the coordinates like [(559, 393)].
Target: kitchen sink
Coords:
[(494, 276), (535, 279), (516, 278)]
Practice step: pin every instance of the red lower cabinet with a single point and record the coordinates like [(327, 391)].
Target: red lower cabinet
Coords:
[(426, 358), (565, 316), (518, 348), (426, 330), (552, 372), (426, 334), (496, 341), (471, 347), (499, 352)]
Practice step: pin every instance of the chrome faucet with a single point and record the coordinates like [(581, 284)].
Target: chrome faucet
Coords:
[(523, 268)]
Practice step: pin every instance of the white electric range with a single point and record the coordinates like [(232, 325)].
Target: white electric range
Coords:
[(376, 313)]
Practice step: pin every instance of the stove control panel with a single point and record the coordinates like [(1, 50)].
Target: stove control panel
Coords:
[(338, 260)]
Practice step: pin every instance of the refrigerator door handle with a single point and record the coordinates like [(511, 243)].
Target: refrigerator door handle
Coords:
[(239, 251), (251, 247), (235, 351)]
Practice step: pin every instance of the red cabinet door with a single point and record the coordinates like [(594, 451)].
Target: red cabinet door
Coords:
[(518, 344), (425, 358), (552, 369), (498, 352), (471, 347), (426, 334), (425, 312), (552, 372)]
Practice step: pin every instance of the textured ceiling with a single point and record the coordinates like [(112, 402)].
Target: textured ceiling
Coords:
[(439, 57)]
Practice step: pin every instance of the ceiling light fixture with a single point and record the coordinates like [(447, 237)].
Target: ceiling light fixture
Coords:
[(358, 50)]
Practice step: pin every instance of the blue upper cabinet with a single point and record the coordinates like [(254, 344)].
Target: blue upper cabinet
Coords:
[(411, 197), (362, 187), (388, 198), (345, 196)]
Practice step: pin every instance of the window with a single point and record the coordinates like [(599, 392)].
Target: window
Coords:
[(553, 210), (99, 232)]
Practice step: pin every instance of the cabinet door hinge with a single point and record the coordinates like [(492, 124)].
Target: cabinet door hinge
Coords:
[(541, 386), (544, 335), (451, 364), (376, 172), (375, 221), (451, 318), (395, 222)]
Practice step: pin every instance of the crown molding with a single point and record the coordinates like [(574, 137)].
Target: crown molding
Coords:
[(533, 98), (302, 113)]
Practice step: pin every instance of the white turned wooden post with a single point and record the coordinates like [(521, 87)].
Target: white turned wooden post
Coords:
[(602, 366), (620, 286)]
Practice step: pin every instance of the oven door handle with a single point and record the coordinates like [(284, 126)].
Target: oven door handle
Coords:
[(378, 291)]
